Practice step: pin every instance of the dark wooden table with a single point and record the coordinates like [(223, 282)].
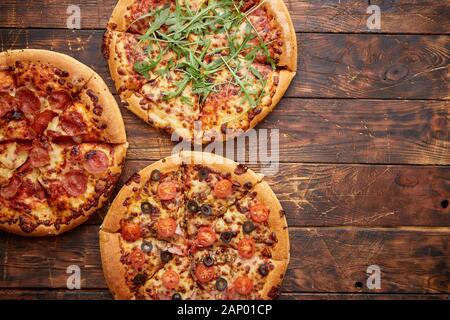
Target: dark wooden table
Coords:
[(364, 146)]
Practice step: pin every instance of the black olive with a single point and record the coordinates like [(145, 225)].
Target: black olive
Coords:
[(221, 284), (206, 210), (17, 115), (155, 175), (263, 270), (147, 207), (248, 227), (226, 236), (166, 256), (139, 279), (146, 247), (208, 261), (177, 296), (192, 206), (203, 173), (248, 185)]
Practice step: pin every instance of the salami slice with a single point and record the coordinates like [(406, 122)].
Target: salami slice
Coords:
[(96, 161), (39, 156), (75, 183), (60, 100), (6, 103), (73, 124), (11, 189), (28, 102), (42, 120)]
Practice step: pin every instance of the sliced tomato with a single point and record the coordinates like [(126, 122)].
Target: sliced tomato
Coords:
[(166, 227), (167, 190), (223, 189), (243, 285), (259, 213), (137, 258), (131, 231), (246, 248), (204, 274), (206, 236), (170, 279)]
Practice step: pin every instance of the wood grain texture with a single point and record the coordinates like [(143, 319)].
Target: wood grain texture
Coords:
[(330, 65), (323, 260), (398, 16)]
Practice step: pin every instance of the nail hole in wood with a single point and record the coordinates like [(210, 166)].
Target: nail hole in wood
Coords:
[(358, 284), (444, 204)]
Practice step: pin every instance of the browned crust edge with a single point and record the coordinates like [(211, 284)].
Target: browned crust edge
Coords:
[(111, 115), (76, 69), (113, 269), (274, 280), (118, 20), (279, 11)]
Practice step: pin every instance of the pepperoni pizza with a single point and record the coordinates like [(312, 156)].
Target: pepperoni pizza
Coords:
[(62, 142), (204, 69), (195, 226)]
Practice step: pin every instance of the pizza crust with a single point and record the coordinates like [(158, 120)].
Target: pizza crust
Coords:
[(113, 270), (274, 280), (78, 72), (110, 116), (117, 210), (118, 20), (278, 9)]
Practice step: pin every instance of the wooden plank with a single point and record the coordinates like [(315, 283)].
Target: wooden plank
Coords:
[(397, 16), (336, 131), (323, 260), (330, 65), (349, 195), (21, 294), (336, 260)]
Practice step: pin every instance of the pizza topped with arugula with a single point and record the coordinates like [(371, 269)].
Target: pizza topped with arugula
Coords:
[(204, 69), (62, 142), (195, 226)]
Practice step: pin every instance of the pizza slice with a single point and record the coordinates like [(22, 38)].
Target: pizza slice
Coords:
[(212, 184), (246, 94), (90, 117), (24, 209), (77, 178)]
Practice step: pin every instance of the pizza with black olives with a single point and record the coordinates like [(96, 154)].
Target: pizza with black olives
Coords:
[(204, 69), (195, 226), (62, 142)]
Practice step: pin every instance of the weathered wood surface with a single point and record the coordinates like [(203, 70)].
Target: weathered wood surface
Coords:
[(322, 260), (397, 16), (364, 149), (330, 65)]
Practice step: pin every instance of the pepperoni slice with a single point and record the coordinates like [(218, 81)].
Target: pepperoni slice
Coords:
[(259, 213), (246, 248), (75, 183), (223, 189), (42, 120), (167, 190), (96, 162), (6, 103), (204, 274), (131, 231), (28, 102), (11, 189), (73, 123), (166, 227), (206, 236), (137, 258), (39, 157), (170, 279), (243, 285), (60, 100)]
